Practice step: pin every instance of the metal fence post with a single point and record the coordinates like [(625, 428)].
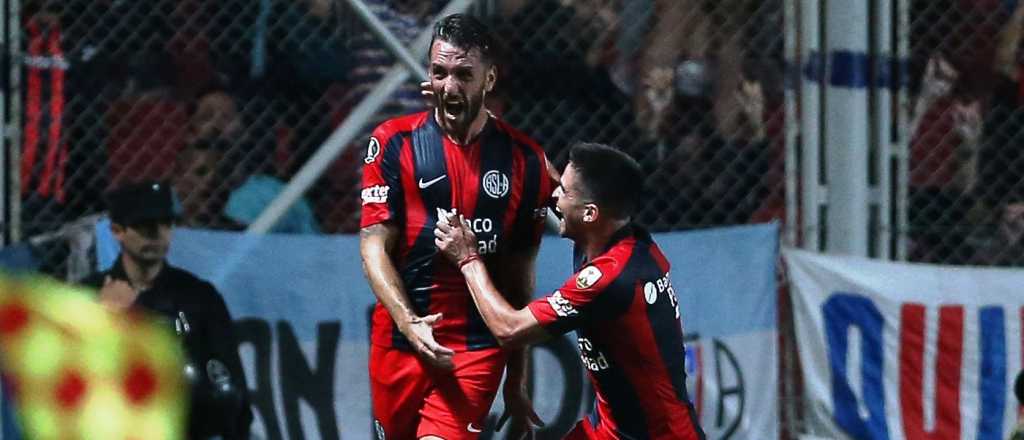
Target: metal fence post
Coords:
[(11, 176), (813, 71), (847, 130)]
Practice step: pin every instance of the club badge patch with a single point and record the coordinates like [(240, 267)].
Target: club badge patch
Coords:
[(495, 184), (588, 277), (372, 151)]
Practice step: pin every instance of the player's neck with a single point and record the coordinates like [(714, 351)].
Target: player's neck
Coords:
[(596, 242), (471, 132)]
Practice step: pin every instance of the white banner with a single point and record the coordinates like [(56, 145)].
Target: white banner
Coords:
[(301, 306), (906, 351)]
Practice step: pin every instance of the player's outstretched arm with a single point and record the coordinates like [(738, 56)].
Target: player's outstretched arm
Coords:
[(376, 243), (512, 327)]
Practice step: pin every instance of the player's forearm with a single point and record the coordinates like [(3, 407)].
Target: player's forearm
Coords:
[(387, 287), (520, 278), (382, 276), (509, 325)]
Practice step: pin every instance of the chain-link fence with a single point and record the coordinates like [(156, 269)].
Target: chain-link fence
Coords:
[(966, 204), (225, 99)]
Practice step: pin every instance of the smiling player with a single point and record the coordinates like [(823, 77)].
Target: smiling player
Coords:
[(620, 302)]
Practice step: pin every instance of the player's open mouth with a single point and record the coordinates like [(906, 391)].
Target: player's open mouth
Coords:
[(453, 109), (557, 212)]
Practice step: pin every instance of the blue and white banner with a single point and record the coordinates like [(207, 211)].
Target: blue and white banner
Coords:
[(301, 306), (907, 351)]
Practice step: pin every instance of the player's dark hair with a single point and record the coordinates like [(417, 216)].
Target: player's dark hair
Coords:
[(467, 33), (609, 177)]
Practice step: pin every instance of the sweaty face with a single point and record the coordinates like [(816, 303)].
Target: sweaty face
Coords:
[(460, 80), (146, 242), (569, 204)]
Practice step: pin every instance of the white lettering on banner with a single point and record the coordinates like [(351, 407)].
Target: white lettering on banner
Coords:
[(375, 194), (47, 62), (310, 379)]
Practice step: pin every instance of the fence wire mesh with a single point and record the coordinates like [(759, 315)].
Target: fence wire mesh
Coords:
[(226, 99), (966, 204)]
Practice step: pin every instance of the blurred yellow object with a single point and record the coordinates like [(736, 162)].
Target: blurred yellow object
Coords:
[(79, 371)]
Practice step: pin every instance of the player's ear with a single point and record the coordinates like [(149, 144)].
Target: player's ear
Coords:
[(491, 78), (591, 213)]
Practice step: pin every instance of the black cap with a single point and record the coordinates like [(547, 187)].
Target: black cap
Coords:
[(141, 202)]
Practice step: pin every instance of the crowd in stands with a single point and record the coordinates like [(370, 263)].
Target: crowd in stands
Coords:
[(966, 175), (228, 98)]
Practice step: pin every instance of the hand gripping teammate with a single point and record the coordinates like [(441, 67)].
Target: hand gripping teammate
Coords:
[(620, 302)]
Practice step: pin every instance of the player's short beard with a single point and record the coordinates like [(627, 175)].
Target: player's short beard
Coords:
[(473, 106)]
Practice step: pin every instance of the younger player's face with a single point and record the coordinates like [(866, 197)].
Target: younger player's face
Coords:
[(570, 206), (460, 80)]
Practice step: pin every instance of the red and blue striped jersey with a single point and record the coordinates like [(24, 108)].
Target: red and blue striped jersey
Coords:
[(626, 316), (499, 183)]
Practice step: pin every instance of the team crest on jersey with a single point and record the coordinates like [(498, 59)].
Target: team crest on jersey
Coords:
[(561, 305), (588, 277), (495, 184), (372, 151)]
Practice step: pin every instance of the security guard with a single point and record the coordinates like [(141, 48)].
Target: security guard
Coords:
[(141, 220)]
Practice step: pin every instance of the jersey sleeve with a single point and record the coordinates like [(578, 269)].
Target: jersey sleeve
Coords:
[(381, 190), (587, 295)]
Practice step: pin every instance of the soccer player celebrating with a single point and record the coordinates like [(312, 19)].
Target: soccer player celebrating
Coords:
[(433, 378), (620, 302)]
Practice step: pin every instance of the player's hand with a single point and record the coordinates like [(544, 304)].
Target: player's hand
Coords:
[(454, 237), (420, 333), (116, 294), (519, 414), (428, 94)]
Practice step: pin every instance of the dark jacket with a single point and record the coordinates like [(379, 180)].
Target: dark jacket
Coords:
[(219, 397)]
